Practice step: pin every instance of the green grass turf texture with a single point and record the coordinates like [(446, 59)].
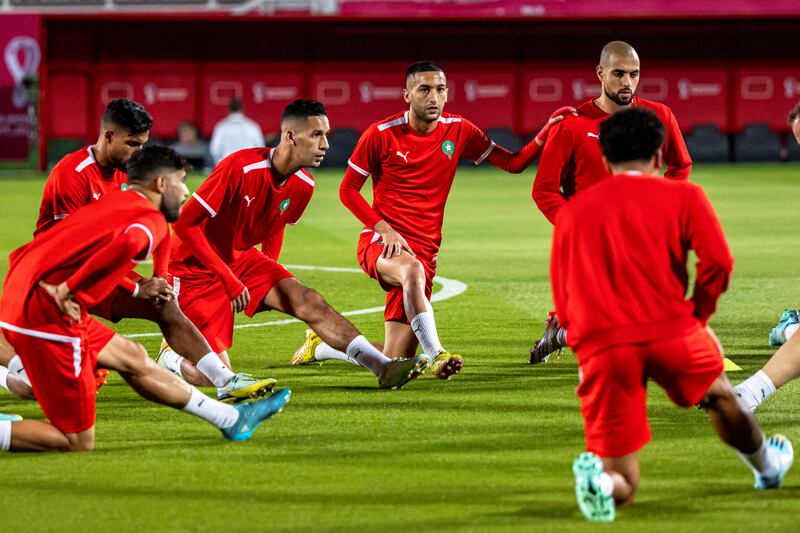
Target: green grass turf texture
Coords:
[(489, 450)]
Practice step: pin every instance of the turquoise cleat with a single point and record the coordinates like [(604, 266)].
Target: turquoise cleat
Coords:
[(595, 506), (10, 418), (783, 446), (253, 413), (788, 317)]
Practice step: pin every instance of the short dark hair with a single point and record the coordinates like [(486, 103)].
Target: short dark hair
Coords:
[(304, 108), (632, 134), (129, 115), (793, 114), (145, 165), (423, 66), (235, 105)]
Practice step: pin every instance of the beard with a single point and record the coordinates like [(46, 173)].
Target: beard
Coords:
[(422, 114), (170, 210), (615, 97)]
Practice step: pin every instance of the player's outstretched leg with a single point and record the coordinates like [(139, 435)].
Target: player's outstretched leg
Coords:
[(554, 339), (786, 327), (293, 298), (769, 459), (201, 366), (158, 385), (782, 367)]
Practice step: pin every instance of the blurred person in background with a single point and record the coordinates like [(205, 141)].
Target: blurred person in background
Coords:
[(235, 132), (191, 147)]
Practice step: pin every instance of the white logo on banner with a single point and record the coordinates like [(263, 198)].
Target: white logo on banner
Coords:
[(791, 87), (153, 93), (369, 92), (582, 90), (262, 92), (21, 68), (687, 89), (475, 91)]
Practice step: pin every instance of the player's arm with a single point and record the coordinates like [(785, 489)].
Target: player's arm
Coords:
[(547, 184), (69, 192), (715, 263), (519, 161), (273, 245), (676, 155)]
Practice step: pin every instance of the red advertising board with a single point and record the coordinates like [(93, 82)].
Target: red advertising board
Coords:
[(484, 94), (765, 94)]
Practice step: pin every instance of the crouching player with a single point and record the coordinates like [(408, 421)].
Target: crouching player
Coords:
[(628, 319), (54, 279)]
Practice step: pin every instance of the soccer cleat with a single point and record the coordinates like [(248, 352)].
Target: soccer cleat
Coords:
[(549, 342), (100, 379), (251, 414), (304, 355), (783, 447), (10, 418), (445, 365), (243, 386), (398, 372), (595, 506), (788, 317)]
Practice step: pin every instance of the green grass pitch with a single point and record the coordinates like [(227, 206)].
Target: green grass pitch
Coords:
[(488, 451)]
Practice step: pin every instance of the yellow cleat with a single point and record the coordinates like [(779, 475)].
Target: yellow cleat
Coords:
[(446, 364), (304, 355)]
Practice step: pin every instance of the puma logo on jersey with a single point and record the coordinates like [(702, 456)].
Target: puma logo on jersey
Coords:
[(404, 156), (96, 195), (590, 134), (248, 199)]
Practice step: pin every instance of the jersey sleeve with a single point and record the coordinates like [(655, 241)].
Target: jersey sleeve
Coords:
[(366, 157), (66, 191), (676, 155), (211, 195), (364, 161), (477, 145), (557, 152)]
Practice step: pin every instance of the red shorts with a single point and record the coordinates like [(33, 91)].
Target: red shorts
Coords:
[(613, 387), (60, 360), (105, 307), (370, 248), (203, 300)]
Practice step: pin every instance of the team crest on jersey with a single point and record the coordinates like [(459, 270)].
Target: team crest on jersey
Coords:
[(284, 205), (124, 187), (448, 148)]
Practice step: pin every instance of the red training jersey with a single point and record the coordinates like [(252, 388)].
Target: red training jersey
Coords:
[(412, 174), (237, 207), (572, 159), (619, 276), (92, 250)]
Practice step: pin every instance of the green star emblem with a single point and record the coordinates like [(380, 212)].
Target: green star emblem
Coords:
[(284, 205), (449, 149)]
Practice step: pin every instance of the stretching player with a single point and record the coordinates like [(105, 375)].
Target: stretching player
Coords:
[(412, 158), (628, 318), (784, 366), (87, 175), (247, 200), (54, 279), (571, 161)]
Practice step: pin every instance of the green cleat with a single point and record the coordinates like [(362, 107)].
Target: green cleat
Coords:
[(595, 506), (304, 355), (398, 372), (10, 418), (244, 386), (783, 448), (445, 365), (253, 413), (788, 317)]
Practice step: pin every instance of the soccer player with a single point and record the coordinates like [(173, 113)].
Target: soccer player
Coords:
[(412, 158), (784, 366), (248, 200), (571, 161), (85, 176), (54, 279), (628, 318)]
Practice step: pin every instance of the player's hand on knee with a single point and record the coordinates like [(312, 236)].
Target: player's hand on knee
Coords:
[(241, 302), (155, 289), (393, 243), (63, 298)]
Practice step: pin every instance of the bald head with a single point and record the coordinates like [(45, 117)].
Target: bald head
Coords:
[(620, 49)]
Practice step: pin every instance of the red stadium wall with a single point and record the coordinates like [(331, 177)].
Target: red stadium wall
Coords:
[(509, 74)]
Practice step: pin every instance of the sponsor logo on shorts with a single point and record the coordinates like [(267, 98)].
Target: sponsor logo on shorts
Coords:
[(448, 148)]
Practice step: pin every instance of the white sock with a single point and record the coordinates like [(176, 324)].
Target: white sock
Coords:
[(219, 414), (5, 435), (761, 461), (172, 361), (16, 369), (755, 390), (424, 328), (365, 354), (606, 484), (212, 367), (324, 352), (789, 330), (4, 377)]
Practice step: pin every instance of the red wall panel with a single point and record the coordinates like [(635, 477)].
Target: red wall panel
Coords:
[(765, 94)]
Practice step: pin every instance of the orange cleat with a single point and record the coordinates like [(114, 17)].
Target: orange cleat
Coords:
[(100, 377)]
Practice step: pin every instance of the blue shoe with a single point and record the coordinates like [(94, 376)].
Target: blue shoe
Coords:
[(783, 447), (594, 505), (253, 413), (788, 317), (10, 418)]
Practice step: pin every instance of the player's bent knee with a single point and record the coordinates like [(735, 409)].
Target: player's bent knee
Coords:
[(312, 305), (414, 274)]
